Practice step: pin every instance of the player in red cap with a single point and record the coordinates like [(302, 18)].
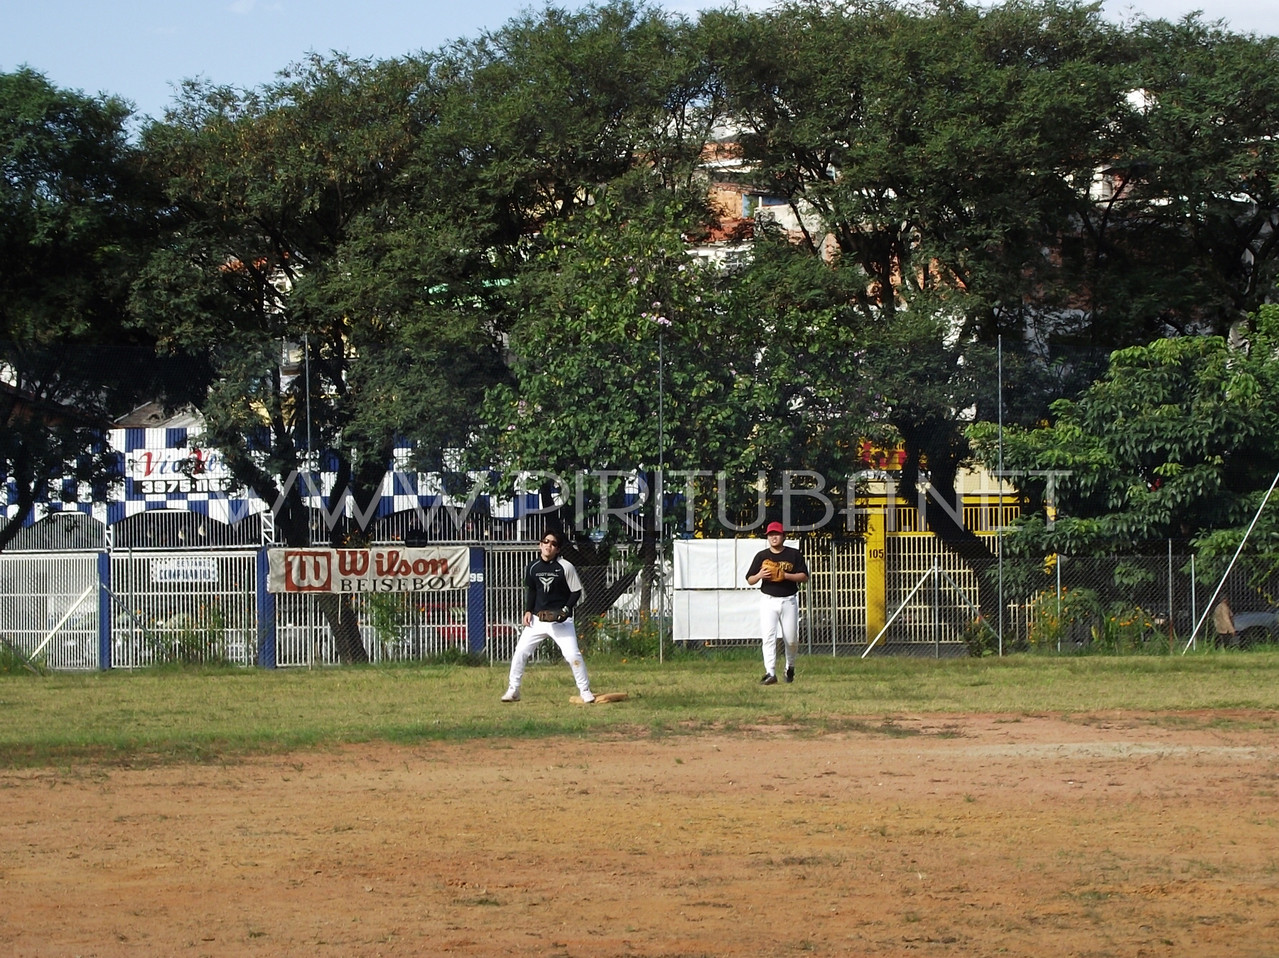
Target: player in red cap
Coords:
[(778, 570)]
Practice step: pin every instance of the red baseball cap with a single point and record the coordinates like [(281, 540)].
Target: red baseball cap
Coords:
[(774, 527)]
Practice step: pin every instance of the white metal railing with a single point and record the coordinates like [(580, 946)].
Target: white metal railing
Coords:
[(49, 607), (183, 606)]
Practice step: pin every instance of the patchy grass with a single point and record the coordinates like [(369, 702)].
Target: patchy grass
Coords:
[(185, 715)]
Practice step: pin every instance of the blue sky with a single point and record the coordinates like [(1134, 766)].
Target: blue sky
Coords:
[(141, 49)]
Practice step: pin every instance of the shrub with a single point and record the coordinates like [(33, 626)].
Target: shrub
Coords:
[(184, 639), (13, 661), (1129, 629), (637, 638), (1061, 619)]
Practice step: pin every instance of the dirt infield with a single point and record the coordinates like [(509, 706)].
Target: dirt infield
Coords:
[(1107, 835)]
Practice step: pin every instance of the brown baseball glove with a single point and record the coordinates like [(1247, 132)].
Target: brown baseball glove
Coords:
[(773, 571)]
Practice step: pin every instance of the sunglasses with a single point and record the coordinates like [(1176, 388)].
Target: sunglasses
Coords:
[(550, 542)]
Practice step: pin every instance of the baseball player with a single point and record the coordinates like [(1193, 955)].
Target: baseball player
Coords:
[(1223, 620), (551, 589), (778, 570)]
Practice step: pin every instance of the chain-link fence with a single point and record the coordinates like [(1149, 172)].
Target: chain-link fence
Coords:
[(937, 602), (1132, 603)]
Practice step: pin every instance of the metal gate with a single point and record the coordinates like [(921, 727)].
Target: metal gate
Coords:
[(394, 627), (49, 606), (183, 607), (504, 598), (931, 594), (834, 601)]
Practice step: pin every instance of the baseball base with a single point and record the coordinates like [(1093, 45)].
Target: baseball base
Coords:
[(601, 698)]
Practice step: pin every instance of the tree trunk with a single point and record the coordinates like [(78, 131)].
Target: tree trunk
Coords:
[(943, 515), (293, 524), (339, 610), (344, 624)]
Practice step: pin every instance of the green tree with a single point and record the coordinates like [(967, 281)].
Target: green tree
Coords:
[(76, 220), (369, 217), (813, 400), (1179, 439), (540, 122), (935, 153), (1181, 237), (940, 146), (534, 118), (293, 256), (612, 372), (957, 158)]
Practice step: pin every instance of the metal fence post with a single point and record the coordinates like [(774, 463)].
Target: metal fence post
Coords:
[(267, 658), (104, 611), (1194, 600), (1057, 569), (937, 610), (476, 622)]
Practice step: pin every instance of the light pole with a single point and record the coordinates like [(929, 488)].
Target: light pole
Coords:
[(999, 545), (312, 467), (660, 494)]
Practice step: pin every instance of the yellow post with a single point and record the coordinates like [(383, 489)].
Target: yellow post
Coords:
[(876, 572)]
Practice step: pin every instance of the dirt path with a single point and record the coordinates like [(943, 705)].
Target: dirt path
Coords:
[(1111, 835)]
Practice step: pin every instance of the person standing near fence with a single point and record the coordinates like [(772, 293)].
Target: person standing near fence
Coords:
[(779, 571), (551, 590), (1223, 620)]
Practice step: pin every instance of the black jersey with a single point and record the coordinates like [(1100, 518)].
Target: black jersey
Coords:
[(551, 585), (790, 558)]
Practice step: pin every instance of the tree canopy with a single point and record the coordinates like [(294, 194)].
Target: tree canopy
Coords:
[(1178, 439), (77, 219)]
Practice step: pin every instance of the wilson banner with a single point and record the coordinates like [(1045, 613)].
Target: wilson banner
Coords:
[(378, 569)]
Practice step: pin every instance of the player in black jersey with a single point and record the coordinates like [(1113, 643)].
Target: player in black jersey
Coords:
[(551, 590)]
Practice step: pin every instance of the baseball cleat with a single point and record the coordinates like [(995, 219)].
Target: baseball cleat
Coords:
[(790, 673), (511, 696), (768, 679)]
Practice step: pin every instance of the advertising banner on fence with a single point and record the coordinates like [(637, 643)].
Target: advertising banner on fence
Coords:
[(185, 569), (378, 569)]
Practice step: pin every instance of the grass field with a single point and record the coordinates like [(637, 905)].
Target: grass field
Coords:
[(184, 715)]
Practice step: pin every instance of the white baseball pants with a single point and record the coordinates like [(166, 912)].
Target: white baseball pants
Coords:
[(779, 614), (565, 637)]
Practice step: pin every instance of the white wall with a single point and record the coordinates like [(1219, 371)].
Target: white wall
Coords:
[(711, 598)]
